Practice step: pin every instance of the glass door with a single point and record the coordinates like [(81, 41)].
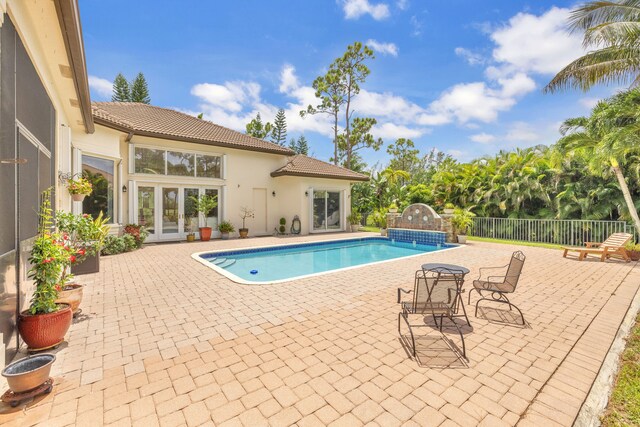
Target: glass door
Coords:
[(170, 212), (327, 211), (146, 215), (191, 216)]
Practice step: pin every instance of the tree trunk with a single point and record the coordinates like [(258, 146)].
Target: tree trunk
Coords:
[(335, 138), (627, 195)]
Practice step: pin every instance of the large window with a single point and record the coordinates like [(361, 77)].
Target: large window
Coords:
[(155, 161), (327, 210), (101, 174)]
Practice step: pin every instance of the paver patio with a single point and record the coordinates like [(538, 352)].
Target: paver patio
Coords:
[(164, 340)]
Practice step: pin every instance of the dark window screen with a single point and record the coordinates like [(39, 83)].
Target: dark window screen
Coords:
[(28, 188)]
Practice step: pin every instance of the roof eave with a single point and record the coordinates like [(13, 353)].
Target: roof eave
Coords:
[(69, 19), (129, 130), (317, 175)]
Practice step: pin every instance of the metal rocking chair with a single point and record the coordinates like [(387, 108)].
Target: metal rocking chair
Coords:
[(498, 286), (436, 295)]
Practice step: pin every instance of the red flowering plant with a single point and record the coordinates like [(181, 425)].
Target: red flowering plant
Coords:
[(49, 258), (138, 232)]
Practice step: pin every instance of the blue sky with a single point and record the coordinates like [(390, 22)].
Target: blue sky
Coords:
[(463, 76)]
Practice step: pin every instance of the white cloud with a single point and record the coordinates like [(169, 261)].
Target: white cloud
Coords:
[(402, 4), (589, 102), (518, 84), (469, 56), (229, 97), (391, 131), (102, 87), (383, 48), (522, 132), (416, 26), (288, 79), (539, 44), (354, 9), (482, 138)]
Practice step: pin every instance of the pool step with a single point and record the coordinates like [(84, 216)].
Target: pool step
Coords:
[(218, 261), (229, 263)]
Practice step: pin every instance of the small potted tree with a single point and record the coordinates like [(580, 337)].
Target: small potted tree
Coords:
[(282, 229), (462, 221), (225, 228), (354, 219), (244, 214), (46, 322), (204, 204), (79, 188)]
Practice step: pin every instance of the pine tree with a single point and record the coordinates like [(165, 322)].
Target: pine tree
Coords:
[(279, 133), (140, 90), (300, 146), (121, 90), (257, 129)]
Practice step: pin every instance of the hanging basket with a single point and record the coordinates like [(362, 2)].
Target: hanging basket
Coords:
[(78, 197)]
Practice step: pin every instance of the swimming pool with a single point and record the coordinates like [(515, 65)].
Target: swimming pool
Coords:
[(272, 264)]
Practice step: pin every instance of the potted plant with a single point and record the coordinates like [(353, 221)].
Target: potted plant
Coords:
[(79, 188), (225, 228), (85, 235), (28, 374), (633, 250), (282, 227), (191, 236), (462, 221), (354, 219), (46, 322), (204, 204), (244, 214), (449, 208), (393, 208)]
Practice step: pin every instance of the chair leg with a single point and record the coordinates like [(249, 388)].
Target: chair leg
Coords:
[(564, 255), (413, 340)]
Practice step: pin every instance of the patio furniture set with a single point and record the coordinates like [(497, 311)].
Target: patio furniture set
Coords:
[(437, 293), (438, 288)]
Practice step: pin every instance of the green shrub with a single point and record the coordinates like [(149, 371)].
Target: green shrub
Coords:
[(130, 243), (114, 245), (138, 232)]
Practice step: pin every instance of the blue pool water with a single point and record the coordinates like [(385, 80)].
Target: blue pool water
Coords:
[(277, 263)]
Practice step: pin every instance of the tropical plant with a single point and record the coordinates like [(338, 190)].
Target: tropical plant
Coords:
[(80, 185), (462, 220), (608, 138), (226, 227), (612, 37), (354, 217), (203, 204), (113, 245)]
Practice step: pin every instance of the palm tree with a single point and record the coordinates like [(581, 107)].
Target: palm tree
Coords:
[(612, 29), (608, 138)]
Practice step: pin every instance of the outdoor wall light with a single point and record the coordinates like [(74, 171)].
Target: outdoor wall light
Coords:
[(306, 193), (273, 193), (124, 188)]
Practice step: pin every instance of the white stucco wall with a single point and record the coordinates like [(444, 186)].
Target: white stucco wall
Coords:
[(245, 171)]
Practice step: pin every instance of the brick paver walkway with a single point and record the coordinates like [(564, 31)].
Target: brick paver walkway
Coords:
[(166, 341)]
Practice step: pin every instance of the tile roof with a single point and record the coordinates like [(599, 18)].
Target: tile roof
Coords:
[(148, 120), (301, 165)]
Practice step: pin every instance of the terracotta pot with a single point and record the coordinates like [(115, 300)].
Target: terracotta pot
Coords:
[(634, 255), (205, 234), (244, 233), (72, 295), (78, 197), (41, 331)]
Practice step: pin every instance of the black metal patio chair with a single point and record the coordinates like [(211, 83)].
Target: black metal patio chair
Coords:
[(496, 287), (435, 295)]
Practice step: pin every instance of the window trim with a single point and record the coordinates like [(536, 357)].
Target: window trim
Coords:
[(132, 162)]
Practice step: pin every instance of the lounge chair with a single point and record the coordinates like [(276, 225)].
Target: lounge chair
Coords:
[(497, 287), (613, 246), (434, 295)]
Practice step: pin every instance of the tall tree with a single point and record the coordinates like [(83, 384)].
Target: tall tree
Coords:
[(258, 129), (405, 156), (609, 137), (300, 146), (353, 72), (612, 36), (140, 90), (121, 90), (279, 132), (331, 92)]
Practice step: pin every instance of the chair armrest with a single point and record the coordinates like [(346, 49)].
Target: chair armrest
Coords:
[(490, 268), (400, 291), (492, 280), (592, 244)]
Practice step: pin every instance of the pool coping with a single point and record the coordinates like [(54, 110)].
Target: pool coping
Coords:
[(197, 256)]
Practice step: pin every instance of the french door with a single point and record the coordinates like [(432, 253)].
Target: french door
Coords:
[(168, 211)]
